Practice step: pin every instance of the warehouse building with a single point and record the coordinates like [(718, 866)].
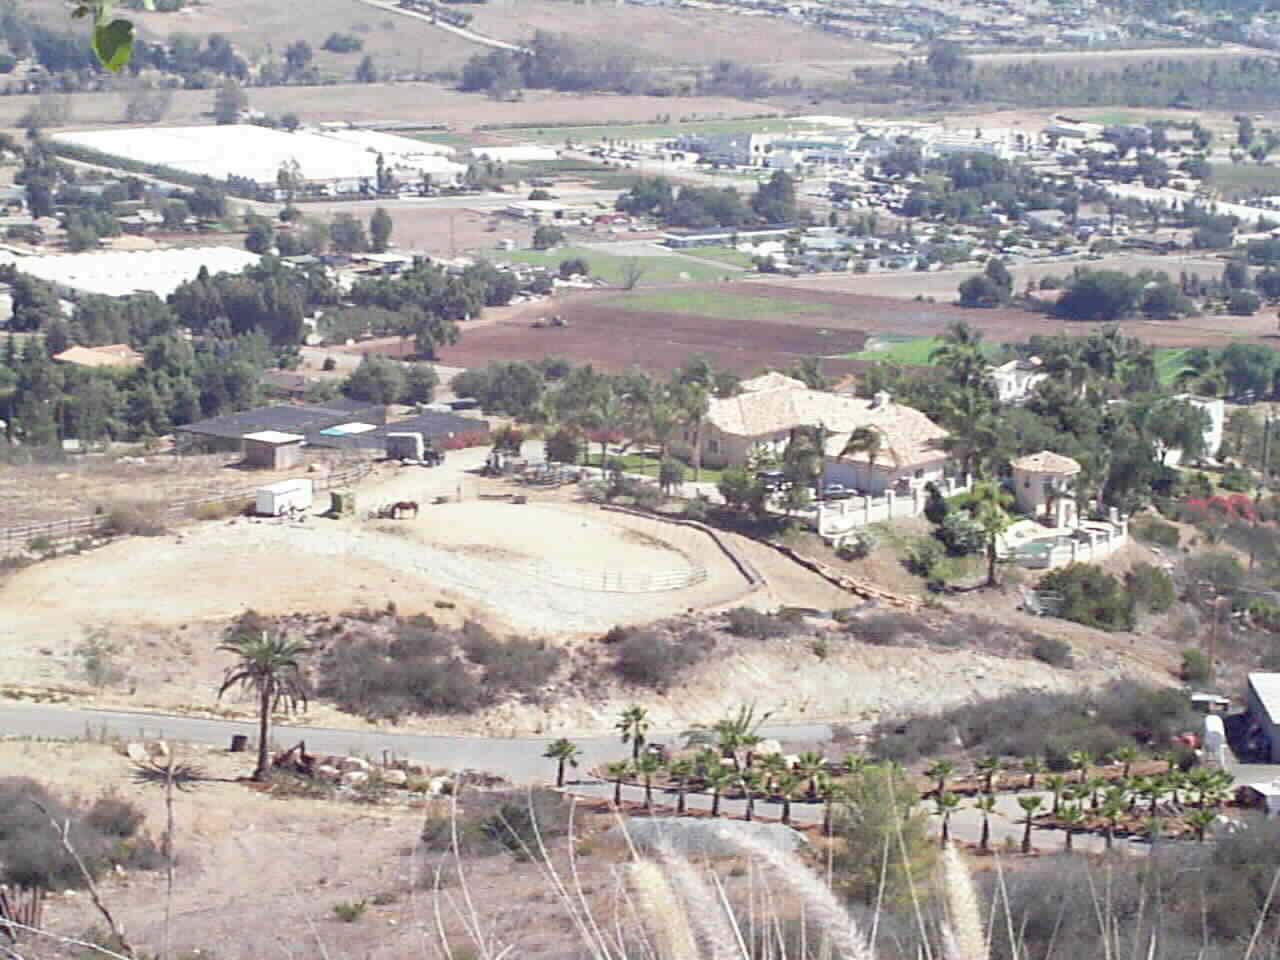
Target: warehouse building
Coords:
[(119, 273)]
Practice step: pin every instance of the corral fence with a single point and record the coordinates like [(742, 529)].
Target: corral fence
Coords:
[(617, 581), (98, 524)]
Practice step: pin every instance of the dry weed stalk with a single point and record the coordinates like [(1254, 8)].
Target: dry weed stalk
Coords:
[(846, 939), (717, 934), (962, 933), (662, 911)]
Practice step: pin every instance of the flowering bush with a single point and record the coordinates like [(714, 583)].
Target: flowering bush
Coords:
[(460, 441)]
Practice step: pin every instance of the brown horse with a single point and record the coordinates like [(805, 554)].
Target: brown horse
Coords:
[(404, 507)]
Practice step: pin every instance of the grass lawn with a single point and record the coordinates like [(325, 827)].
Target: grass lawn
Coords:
[(659, 270), (459, 141), (1170, 361), (713, 303), (909, 351), (735, 258), (1246, 178), (646, 464)]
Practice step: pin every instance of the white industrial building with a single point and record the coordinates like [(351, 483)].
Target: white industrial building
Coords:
[(522, 153), (118, 273), (345, 157)]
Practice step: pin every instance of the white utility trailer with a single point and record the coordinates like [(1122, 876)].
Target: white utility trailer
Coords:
[(277, 499)]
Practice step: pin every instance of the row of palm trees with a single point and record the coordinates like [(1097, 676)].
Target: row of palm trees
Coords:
[(1079, 804)]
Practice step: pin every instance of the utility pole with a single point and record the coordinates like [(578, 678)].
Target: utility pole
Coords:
[(1262, 483)]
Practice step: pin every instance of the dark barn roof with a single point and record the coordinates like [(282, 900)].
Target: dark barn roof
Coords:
[(289, 418), (432, 425)]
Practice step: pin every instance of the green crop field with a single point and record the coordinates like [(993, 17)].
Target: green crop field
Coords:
[(1170, 361), (1245, 178), (713, 303), (909, 351), (658, 271)]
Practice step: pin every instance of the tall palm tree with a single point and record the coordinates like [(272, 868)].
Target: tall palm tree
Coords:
[(633, 727), (808, 765), (1029, 804), (1112, 811), (694, 400), (940, 770), (960, 355), (617, 772), (751, 781), (785, 785), (947, 804), (988, 502), (1080, 762), (1072, 819), (269, 664), (662, 417), (870, 441), (986, 805), (563, 751), (647, 766), (1201, 820)]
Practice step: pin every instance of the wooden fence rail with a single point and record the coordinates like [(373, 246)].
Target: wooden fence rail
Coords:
[(56, 530)]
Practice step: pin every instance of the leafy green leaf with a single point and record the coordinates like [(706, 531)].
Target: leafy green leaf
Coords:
[(113, 44)]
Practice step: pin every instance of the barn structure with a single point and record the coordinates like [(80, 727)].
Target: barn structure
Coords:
[(229, 432), (435, 427), (273, 450)]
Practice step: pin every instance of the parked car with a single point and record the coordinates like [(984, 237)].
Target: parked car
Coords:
[(835, 491)]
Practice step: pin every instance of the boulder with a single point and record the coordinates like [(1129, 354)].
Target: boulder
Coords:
[(137, 752), (349, 764), (395, 778), (767, 748), (326, 772), (438, 785), (354, 778)]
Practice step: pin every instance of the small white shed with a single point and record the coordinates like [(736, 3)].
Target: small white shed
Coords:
[(276, 499), (405, 446)]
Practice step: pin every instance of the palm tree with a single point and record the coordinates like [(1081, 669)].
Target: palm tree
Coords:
[(617, 772), (750, 781), (1029, 806), (1125, 756), (1095, 785), (647, 766), (1032, 767), (716, 779), (785, 785), (940, 770), (632, 726), (1112, 811), (269, 664), (947, 804), (1080, 761), (739, 731), (562, 751), (809, 764), (829, 791), (1056, 784), (960, 355), (989, 767), (987, 503), (1201, 819), (872, 442), (662, 417), (1072, 819), (681, 770), (986, 804), (694, 400)]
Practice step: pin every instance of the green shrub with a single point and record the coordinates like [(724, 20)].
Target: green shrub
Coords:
[(857, 545), (1151, 530), (1090, 596), (1236, 480), (746, 622), (1196, 669), (960, 534), (1053, 651), (494, 821), (652, 658), (923, 556), (349, 911), (114, 816), (1150, 587)]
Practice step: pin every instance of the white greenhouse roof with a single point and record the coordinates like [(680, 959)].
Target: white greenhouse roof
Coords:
[(523, 153), (118, 273), (258, 153)]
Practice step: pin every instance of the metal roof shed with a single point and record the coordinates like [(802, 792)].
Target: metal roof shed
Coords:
[(1264, 709), (273, 450)]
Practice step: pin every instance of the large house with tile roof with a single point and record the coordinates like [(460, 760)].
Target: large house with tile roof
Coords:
[(768, 408)]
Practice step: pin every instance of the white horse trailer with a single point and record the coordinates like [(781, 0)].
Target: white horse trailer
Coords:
[(277, 499)]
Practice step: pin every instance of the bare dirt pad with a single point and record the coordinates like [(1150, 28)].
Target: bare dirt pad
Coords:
[(412, 102), (40, 493), (673, 35), (616, 339)]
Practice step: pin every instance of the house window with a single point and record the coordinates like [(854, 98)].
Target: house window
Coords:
[(713, 445)]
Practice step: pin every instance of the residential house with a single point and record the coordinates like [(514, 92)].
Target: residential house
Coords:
[(112, 355), (764, 415), (1043, 485), (1216, 409), (1016, 380)]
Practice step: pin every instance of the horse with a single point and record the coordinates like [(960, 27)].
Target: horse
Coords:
[(398, 510)]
